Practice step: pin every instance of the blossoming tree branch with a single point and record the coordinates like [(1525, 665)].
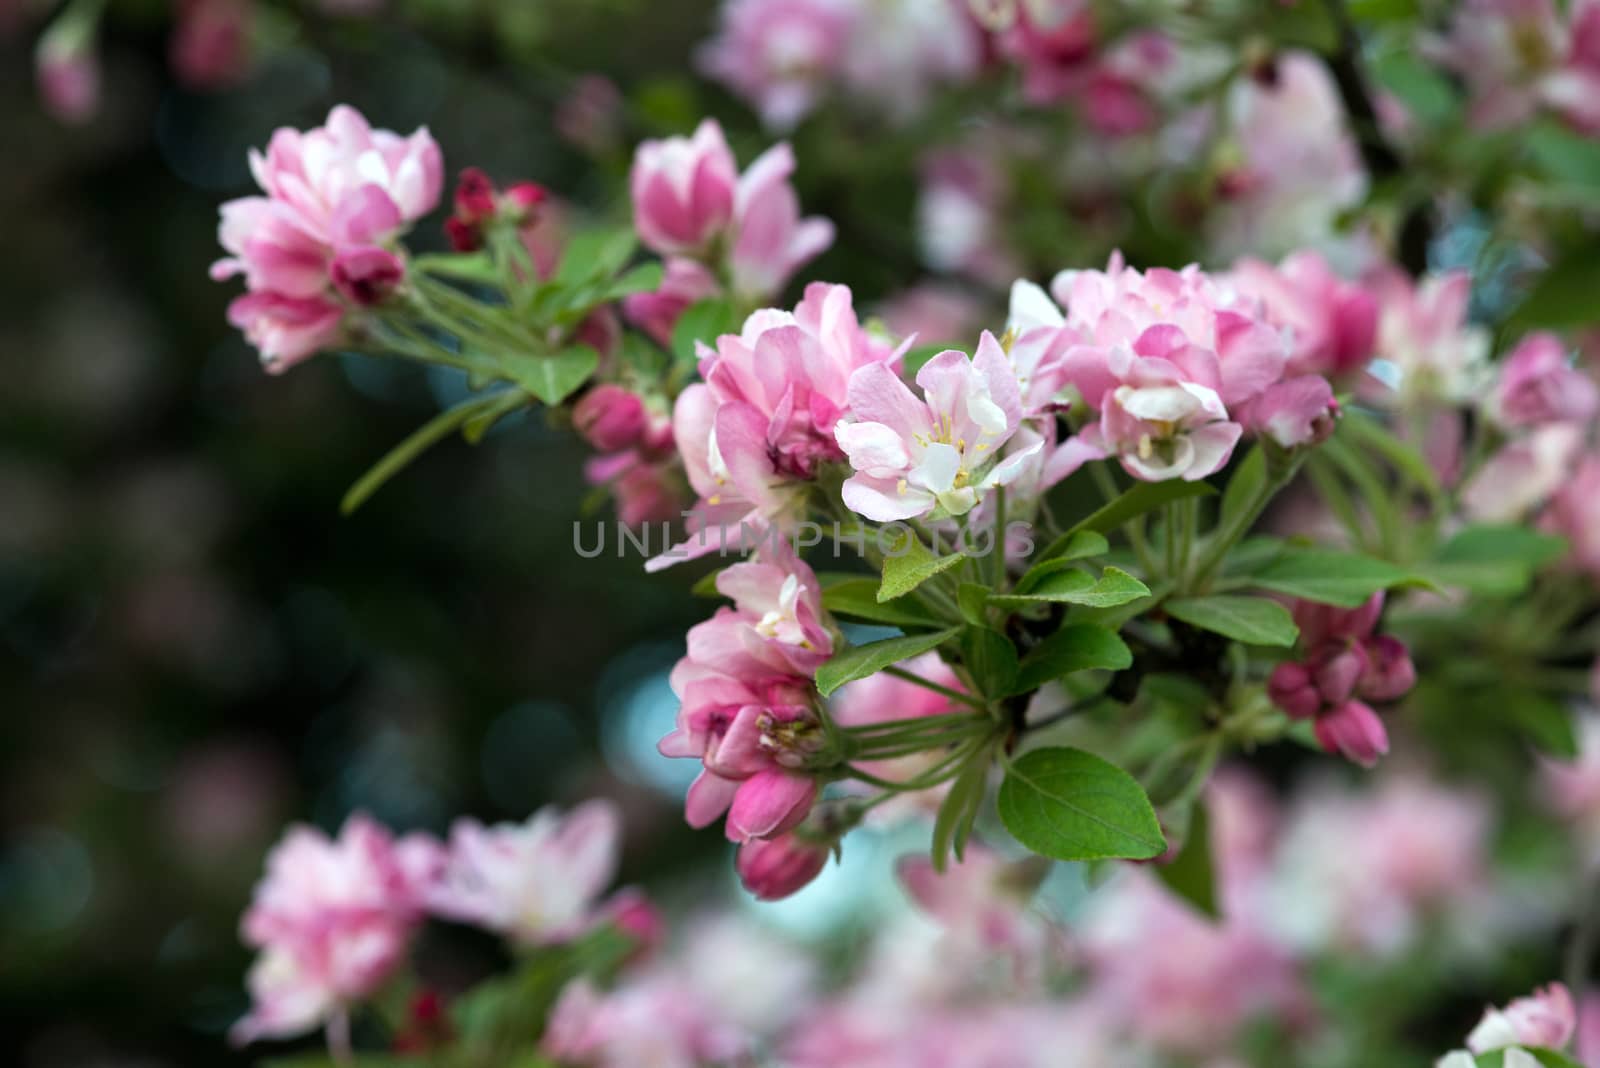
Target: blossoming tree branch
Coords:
[(1055, 577)]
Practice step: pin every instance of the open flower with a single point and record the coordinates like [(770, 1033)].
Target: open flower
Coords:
[(333, 920), (915, 457), (1544, 1019), (533, 882)]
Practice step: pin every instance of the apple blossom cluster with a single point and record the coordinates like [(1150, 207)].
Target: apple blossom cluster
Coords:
[(335, 917)]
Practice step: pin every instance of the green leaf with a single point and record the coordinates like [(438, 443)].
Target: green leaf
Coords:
[(1544, 720), (857, 598), (1115, 587), (1071, 805), (1075, 647), (705, 320), (593, 255), (959, 810), (1344, 579), (1548, 1058), (1142, 498), (706, 586), (1365, 431), (991, 658), (552, 378), (418, 442), (1244, 486), (1190, 874), (1252, 620), (1494, 560), (858, 661), (1424, 92), (1563, 296), (1564, 155), (645, 278), (1080, 545), (911, 564), (973, 600)]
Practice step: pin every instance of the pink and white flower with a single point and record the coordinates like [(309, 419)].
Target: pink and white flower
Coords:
[(747, 700), (1333, 323), (1424, 333), (534, 882), (333, 919), (779, 54), (690, 200), (1539, 385), (1574, 513), (1545, 1019), (915, 457)]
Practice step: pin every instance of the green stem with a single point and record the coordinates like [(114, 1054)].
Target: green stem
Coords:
[(1135, 527), (1239, 524)]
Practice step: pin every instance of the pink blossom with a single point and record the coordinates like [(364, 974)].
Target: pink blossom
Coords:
[(1502, 49), (655, 1020), (774, 868), (1333, 323), (779, 54), (366, 276), (1574, 513), (932, 312), (913, 457), (1208, 981), (1354, 731), (1294, 412), (325, 175), (1052, 41), (67, 67), (683, 191), (1545, 1019), (1539, 385), (960, 223), (689, 200), (899, 52), (982, 903), (210, 42), (610, 417), (684, 282), (764, 419), (1519, 478), (1300, 169), (1573, 89), (286, 330), (1424, 333), (335, 195), (646, 484), (333, 919), (533, 882), (1367, 871), (747, 699)]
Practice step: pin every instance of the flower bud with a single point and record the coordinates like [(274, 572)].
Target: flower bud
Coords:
[(366, 276), (683, 191), (610, 418), (1354, 731), (1337, 671), (1545, 1019), (769, 803), (1289, 687), (1390, 673), (522, 200), (774, 868), (474, 200), (67, 69)]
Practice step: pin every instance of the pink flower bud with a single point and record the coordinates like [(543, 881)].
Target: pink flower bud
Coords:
[(367, 276), (610, 418), (1299, 411), (523, 199), (636, 916), (1354, 731), (463, 236), (474, 199), (210, 43), (1337, 671), (773, 868), (68, 71), (1390, 673), (769, 803), (683, 190), (1289, 687)]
